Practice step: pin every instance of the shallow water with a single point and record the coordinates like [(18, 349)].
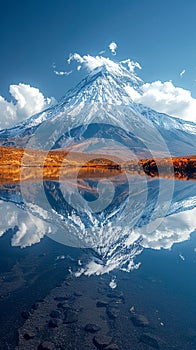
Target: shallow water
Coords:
[(162, 289), (77, 283)]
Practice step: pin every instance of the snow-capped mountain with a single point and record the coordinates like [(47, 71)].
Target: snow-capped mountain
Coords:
[(106, 95), (99, 115)]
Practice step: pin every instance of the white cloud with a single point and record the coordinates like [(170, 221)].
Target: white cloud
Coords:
[(26, 101), (131, 65), (132, 92), (31, 229), (182, 257), (62, 72), (163, 97), (95, 268), (92, 62), (166, 98), (182, 73), (113, 283), (76, 57), (101, 52), (113, 46), (175, 228)]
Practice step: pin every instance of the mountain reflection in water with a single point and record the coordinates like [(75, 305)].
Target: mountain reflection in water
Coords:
[(89, 201)]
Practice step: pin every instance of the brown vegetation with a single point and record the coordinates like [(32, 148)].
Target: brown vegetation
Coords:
[(17, 164)]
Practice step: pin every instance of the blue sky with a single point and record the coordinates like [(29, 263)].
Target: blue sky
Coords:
[(160, 35)]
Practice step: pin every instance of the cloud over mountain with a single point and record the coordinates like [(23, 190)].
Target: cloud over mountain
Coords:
[(163, 97), (25, 101), (113, 46), (166, 98)]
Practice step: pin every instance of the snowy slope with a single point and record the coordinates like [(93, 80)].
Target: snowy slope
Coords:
[(105, 96)]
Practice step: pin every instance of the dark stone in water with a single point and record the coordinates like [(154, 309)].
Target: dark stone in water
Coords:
[(62, 298), (78, 294), (28, 335), (92, 328), (149, 340), (101, 303), (67, 298), (63, 306), (112, 347), (112, 312), (139, 320), (71, 316), (35, 306), (101, 341), (55, 314), (71, 298), (25, 315), (116, 295), (102, 290), (54, 323), (67, 284), (46, 345), (41, 255)]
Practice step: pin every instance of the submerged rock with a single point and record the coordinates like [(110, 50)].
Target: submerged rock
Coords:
[(78, 294), (139, 320), (112, 312), (25, 315), (92, 328), (54, 323), (101, 341), (62, 298), (46, 345), (63, 306), (55, 314), (29, 335), (116, 295), (35, 306), (149, 340), (101, 303), (112, 347), (71, 316)]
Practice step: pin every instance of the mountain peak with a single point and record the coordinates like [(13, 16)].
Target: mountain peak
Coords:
[(110, 82), (121, 70)]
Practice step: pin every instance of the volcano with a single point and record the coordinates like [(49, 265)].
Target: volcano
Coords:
[(105, 96)]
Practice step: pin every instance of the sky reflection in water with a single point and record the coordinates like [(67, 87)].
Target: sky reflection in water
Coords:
[(133, 215)]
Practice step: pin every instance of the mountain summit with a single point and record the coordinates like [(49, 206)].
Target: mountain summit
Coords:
[(107, 85)]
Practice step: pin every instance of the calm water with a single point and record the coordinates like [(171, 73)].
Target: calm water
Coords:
[(46, 276)]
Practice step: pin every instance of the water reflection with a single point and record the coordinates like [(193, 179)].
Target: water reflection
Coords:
[(115, 208)]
